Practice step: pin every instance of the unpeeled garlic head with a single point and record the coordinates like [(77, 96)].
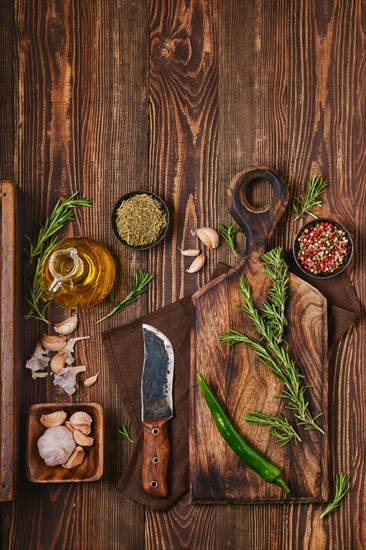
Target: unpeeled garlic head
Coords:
[(56, 445)]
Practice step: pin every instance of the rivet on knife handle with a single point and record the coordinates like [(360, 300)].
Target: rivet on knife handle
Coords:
[(156, 451)]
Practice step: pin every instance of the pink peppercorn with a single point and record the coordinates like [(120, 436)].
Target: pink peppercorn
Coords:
[(323, 248)]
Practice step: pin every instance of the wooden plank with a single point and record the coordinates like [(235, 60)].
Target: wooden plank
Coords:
[(298, 78), (11, 368), (183, 89), (81, 119), (6, 93)]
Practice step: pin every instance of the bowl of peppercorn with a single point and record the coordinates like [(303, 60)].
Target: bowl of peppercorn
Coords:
[(323, 248)]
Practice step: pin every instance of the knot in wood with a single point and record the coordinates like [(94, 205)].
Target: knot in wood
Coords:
[(163, 52)]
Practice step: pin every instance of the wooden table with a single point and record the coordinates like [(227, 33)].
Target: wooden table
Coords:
[(177, 97)]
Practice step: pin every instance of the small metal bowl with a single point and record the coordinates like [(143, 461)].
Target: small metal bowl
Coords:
[(341, 268), (162, 233)]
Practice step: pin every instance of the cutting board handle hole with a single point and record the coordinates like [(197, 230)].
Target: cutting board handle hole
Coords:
[(155, 431), (258, 195)]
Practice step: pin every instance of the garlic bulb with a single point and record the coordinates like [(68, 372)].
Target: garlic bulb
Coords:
[(56, 445)]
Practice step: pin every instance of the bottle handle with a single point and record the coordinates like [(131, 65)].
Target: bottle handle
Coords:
[(76, 269)]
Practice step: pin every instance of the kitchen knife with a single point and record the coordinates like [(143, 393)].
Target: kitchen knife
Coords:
[(157, 409)]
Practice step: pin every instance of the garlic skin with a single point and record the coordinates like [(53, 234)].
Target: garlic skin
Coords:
[(58, 362), (75, 459), (39, 359), (53, 419), (190, 252), (66, 378), (197, 264), (56, 445), (91, 380), (39, 375), (53, 343), (208, 236), (68, 326), (71, 343)]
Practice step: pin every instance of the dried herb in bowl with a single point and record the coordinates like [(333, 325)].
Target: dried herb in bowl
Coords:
[(140, 220)]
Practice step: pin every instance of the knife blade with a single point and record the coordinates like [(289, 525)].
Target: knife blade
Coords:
[(157, 409)]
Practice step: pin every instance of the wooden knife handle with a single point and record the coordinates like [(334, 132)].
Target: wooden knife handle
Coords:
[(155, 458)]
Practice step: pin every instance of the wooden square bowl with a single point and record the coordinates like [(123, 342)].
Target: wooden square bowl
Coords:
[(91, 469)]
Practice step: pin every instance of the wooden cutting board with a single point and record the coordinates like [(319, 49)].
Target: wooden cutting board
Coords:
[(243, 384)]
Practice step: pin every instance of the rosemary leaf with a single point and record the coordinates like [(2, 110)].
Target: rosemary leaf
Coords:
[(139, 285), (341, 489), (281, 428), (38, 248), (270, 350), (229, 235), (125, 432), (304, 204)]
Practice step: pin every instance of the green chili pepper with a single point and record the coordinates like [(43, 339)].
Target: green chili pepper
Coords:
[(260, 464)]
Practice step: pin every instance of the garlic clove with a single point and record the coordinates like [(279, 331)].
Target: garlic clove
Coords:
[(82, 439), (91, 380), (75, 459), (69, 426), (81, 421), (208, 236), (53, 419), (58, 362), (84, 429), (197, 264), (53, 343), (190, 252), (67, 326)]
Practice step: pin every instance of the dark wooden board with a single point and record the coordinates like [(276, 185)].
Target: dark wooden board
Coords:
[(243, 384), (11, 367)]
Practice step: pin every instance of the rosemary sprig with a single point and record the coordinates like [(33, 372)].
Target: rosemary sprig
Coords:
[(139, 285), (271, 352), (38, 249), (125, 432), (273, 309), (304, 204), (229, 235), (341, 489), (63, 212), (280, 426)]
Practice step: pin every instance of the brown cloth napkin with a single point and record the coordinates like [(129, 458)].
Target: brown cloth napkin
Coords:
[(124, 347)]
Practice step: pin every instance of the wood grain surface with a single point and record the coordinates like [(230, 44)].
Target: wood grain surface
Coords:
[(104, 98), (243, 384)]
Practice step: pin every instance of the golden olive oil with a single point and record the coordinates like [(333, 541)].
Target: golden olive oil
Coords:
[(78, 272)]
